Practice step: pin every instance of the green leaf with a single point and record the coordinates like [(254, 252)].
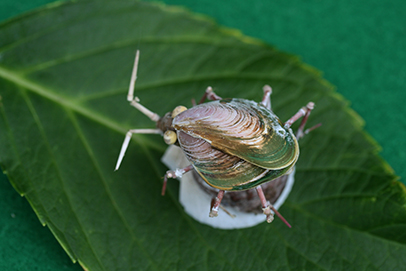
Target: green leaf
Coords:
[(64, 73)]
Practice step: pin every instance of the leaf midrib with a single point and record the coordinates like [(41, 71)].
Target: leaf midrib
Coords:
[(57, 168), (59, 99), (107, 188)]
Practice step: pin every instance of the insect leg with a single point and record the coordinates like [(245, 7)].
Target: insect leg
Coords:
[(127, 141), (177, 173), (311, 129), (300, 132), (266, 100), (209, 94), (215, 209), (267, 207), (224, 209), (302, 112)]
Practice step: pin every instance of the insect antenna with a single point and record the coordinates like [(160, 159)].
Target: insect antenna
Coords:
[(130, 95), (135, 103), (127, 141)]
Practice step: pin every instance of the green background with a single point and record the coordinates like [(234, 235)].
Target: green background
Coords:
[(359, 45)]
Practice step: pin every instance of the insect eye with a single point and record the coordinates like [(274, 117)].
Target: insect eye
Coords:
[(170, 137), (179, 109)]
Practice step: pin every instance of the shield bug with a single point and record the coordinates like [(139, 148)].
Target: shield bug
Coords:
[(233, 144)]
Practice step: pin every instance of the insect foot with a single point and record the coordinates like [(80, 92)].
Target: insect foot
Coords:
[(177, 173), (215, 209), (268, 213)]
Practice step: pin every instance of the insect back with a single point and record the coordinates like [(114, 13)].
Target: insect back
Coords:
[(235, 144)]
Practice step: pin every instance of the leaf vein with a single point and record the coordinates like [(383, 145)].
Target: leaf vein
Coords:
[(127, 43), (330, 222), (106, 187), (57, 169)]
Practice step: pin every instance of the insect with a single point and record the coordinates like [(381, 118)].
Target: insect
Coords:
[(233, 144)]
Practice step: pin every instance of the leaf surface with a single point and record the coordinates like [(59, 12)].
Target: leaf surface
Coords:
[(64, 73)]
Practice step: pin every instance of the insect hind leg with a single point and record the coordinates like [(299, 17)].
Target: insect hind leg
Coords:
[(210, 95), (303, 112), (301, 132)]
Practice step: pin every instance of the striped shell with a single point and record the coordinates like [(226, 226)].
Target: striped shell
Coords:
[(235, 144)]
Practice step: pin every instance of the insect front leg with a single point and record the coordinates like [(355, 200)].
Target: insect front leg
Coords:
[(177, 173)]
